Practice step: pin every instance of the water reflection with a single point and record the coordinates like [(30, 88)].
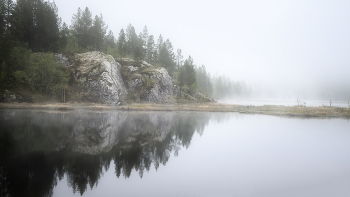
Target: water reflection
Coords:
[(38, 148)]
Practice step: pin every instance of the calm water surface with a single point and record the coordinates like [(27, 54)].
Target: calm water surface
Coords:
[(172, 154)]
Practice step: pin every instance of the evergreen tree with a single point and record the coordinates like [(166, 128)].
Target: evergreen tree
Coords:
[(166, 57), (179, 57), (81, 26), (141, 46), (110, 40), (72, 44), (159, 45), (2, 18), (47, 26), (122, 48), (99, 29), (6, 9), (187, 77), (36, 22), (131, 40), (145, 36), (86, 23), (76, 22), (203, 80), (64, 36), (149, 56), (170, 57)]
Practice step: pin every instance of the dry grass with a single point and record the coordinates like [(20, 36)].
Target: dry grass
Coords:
[(208, 107)]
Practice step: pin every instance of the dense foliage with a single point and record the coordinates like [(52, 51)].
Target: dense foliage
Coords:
[(33, 26)]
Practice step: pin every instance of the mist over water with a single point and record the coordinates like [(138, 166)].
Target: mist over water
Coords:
[(314, 94)]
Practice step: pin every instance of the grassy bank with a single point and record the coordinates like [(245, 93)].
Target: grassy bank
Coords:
[(209, 107)]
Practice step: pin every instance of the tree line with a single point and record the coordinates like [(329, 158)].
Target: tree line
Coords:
[(29, 27)]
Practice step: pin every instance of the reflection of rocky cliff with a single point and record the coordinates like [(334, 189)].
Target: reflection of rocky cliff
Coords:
[(38, 148)]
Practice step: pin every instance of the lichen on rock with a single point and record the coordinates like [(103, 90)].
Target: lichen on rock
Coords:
[(102, 79), (147, 83)]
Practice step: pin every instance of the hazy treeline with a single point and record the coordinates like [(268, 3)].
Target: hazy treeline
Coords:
[(225, 87), (29, 27)]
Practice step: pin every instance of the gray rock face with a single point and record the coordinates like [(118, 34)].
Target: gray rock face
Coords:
[(100, 74), (147, 83), (163, 89), (133, 68), (135, 83), (63, 59)]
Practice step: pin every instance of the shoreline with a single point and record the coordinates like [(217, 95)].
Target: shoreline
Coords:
[(275, 110)]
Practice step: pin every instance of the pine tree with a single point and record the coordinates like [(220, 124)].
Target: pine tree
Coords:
[(179, 57), (36, 22), (6, 11), (159, 45), (109, 40), (187, 76), (99, 29), (144, 37), (2, 18), (166, 57), (203, 80), (86, 23), (64, 36), (150, 50), (131, 40), (121, 43), (81, 25), (76, 22)]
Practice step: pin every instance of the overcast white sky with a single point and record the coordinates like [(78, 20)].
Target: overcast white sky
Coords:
[(301, 44)]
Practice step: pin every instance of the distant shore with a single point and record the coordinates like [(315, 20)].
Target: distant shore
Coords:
[(276, 110)]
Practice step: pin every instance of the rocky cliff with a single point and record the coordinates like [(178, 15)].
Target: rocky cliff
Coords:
[(96, 77), (147, 83)]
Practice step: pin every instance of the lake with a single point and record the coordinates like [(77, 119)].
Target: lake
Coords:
[(199, 154)]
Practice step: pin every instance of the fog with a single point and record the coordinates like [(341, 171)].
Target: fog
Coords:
[(282, 49)]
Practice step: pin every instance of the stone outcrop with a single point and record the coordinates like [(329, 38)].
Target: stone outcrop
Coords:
[(163, 88), (98, 76), (147, 83)]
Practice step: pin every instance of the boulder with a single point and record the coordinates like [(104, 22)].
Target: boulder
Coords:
[(146, 83), (163, 88), (99, 76)]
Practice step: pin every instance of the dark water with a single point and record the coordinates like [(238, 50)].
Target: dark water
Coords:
[(172, 154)]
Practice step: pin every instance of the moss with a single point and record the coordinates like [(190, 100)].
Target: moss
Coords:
[(129, 62), (110, 59), (148, 82), (148, 71)]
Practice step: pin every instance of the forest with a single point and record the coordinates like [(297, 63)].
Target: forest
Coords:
[(31, 32)]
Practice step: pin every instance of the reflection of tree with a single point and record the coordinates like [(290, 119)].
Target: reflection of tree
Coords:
[(83, 170), (30, 175), (37, 149)]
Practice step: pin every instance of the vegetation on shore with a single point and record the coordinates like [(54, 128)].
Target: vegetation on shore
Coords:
[(275, 110)]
